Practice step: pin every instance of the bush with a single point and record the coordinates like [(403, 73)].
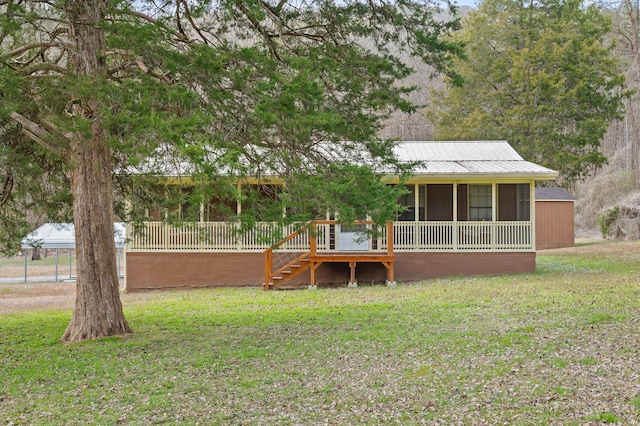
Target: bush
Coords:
[(606, 219)]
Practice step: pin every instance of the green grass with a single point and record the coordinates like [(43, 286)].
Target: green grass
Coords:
[(556, 346)]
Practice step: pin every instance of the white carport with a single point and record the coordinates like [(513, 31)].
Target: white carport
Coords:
[(62, 236)]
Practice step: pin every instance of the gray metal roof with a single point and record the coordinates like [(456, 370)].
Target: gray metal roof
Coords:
[(482, 159), (471, 158), (555, 194), (62, 235)]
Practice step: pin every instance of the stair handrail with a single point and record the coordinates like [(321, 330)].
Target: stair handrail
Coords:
[(268, 253)]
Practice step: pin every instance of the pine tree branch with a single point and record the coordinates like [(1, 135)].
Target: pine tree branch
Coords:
[(180, 35), (6, 188), (36, 133), (138, 61), (33, 46), (190, 19), (44, 67)]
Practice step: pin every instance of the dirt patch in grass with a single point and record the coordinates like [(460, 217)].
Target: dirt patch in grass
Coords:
[(15, 269), (597, 247), (24, 297)]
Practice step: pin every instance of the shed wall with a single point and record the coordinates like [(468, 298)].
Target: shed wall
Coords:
[(164, 270), (554, 224)]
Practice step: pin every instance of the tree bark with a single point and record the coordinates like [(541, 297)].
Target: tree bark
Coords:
[(98, 309)]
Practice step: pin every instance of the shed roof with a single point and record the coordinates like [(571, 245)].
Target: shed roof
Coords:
[(470, 158), (62, 235), (556, 194)]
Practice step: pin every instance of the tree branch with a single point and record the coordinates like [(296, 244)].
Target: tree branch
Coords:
[(6, 188), (44, 67), (36, 133), (256, 25), (183, 37), (190, 19), (138, 60)]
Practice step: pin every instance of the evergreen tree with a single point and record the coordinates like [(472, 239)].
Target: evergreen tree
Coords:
[(541, 75), (103, 97)]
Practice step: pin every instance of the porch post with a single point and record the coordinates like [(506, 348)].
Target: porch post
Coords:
[(454, 231), (494, 214), (532, 213), (352, 275), (313, 242), (238, 224), (416, 214)]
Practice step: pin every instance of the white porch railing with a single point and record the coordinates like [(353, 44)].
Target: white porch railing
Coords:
[(450, 236), (408, 236)]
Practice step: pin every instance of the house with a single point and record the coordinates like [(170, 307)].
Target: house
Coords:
[(469, 211), (555, 214)]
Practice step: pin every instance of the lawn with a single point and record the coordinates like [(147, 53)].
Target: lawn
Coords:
[(558, 346)]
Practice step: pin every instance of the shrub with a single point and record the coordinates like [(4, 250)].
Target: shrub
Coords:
[(606, 219)]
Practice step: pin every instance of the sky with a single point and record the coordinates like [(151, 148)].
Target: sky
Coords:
[(466, 2)]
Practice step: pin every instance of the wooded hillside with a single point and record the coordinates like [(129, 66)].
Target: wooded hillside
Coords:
[(611, 192)]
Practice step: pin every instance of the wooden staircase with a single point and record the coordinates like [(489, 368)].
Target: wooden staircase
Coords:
[(289, 271), (311, 260)]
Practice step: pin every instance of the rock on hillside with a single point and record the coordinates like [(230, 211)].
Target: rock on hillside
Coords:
[(622, 220)]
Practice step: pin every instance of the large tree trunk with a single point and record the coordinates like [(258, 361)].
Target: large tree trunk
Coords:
[(98, 311)]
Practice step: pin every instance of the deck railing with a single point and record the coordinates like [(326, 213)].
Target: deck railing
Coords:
[(408, 236)]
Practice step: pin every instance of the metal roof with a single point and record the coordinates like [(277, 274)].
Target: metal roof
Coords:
[(62, 235), (470, 158), (555, 194), (482, 159)]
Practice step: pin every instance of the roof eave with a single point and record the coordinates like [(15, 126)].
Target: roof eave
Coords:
[(482, 176)]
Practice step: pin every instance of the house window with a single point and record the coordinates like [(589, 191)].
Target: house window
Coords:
[(480, 202)]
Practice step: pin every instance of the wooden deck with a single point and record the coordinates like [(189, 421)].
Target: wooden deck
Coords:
[(387, 260), (313, 259)]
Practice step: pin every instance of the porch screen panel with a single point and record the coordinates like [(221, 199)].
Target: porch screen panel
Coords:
[(462, 202), (513, 202), (219, 210), (480, 202), (523, 200), (421, 202), (507, 209), (408, 201), (439, 202)]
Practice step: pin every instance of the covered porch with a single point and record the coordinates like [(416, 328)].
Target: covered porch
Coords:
[(469, 209)]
